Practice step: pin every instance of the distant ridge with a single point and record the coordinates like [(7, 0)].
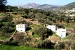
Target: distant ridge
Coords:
[(37, 6)]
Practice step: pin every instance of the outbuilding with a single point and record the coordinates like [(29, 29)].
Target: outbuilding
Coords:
[(21, 27), (61, 32)]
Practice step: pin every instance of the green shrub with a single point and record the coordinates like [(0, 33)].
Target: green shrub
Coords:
[(43, 32)]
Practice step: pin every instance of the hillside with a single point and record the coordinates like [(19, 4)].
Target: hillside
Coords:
[(68, 6), (37, 36)]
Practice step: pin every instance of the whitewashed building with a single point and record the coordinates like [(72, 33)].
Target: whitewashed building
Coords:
[(52, 27), (61, 32), (21, 27), (72, 15), (73, 10)]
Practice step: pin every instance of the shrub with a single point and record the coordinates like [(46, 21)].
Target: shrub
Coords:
[(43, 32), (46, 45)]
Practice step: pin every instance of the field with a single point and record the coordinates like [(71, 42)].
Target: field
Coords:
[(8, 47)]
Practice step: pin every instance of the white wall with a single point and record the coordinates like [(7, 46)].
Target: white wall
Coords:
[(61, 32), (52, 27), (21, 27)]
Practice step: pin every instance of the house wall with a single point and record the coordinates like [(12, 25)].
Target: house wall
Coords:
[(21, 27), (52, 27), (61, 32)]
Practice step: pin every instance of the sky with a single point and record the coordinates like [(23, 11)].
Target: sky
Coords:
[(51, 2)]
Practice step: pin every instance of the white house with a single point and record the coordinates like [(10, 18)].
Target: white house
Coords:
[(73, 10), (61, 32), (52, 27), (72, 15), (21, 27)]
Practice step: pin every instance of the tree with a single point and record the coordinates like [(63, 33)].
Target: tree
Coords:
[(6, 18), (2, 4), (43, 32), (8, 27)]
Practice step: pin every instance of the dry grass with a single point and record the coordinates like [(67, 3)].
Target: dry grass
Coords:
[(54, 38)]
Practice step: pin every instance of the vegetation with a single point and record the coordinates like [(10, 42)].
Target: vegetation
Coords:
[(8, 47), (46, 44), (7, 27), (43, 32), (46, 17)]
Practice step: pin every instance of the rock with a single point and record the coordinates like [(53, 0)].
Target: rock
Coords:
[(29, 33)]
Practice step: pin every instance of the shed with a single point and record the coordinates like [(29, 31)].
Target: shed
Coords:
[(61, 32), (21, 27)]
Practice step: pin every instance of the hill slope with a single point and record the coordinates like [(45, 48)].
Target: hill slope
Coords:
[(68, 6)]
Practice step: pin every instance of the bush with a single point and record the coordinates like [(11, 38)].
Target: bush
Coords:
[(46, 45), (66, 45), (13, 43), (43, 32), (8, 27), (7, 18)]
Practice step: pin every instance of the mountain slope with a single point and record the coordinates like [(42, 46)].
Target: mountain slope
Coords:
[(47, 7), (31, 5), (37, 6)]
